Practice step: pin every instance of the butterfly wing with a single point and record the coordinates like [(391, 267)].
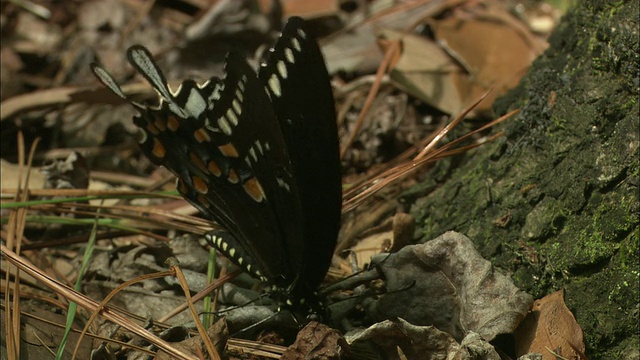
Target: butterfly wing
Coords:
[(223, 142), (256, 153), (299, 86)]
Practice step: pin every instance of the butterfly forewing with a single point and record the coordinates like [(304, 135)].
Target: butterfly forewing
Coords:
[(299, 86)]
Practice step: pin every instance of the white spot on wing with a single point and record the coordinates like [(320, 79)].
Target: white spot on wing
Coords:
[(215, 94), (296, 44), (274, 85), (282, 69), (195, 103), (288, 54), (236, 106), (224, 125), (232, 117), (283, 184)]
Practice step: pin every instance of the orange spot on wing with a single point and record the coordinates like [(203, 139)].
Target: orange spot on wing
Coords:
[(228, 150), (153, 129), (199, 185), (201, 135), (172, 123), (182, 187), (214, 168), (160, 124), (253, 188), (233, 176), (197, 162), (158, 149)]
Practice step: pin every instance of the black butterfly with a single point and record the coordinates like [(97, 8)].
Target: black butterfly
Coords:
[(258, 154)]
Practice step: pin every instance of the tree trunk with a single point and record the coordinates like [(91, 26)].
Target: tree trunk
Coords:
[(555, 201)]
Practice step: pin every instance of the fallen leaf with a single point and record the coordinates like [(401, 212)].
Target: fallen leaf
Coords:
[(446, 283), (390, 236), (317, 341), (551, 330), (400, 339), (493, 52), (426, 71), (9, 173)]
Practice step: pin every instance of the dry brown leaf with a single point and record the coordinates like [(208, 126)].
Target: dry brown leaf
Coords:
[(391, 236), (399, 339), (425, 71), (9, 173), (310, 9), (551, 330), (218, 333), (317, 341), (446, 283), (44, 327), (493, 52), (355, 50)]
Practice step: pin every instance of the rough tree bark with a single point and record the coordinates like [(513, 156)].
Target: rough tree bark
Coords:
[(555, 201)]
